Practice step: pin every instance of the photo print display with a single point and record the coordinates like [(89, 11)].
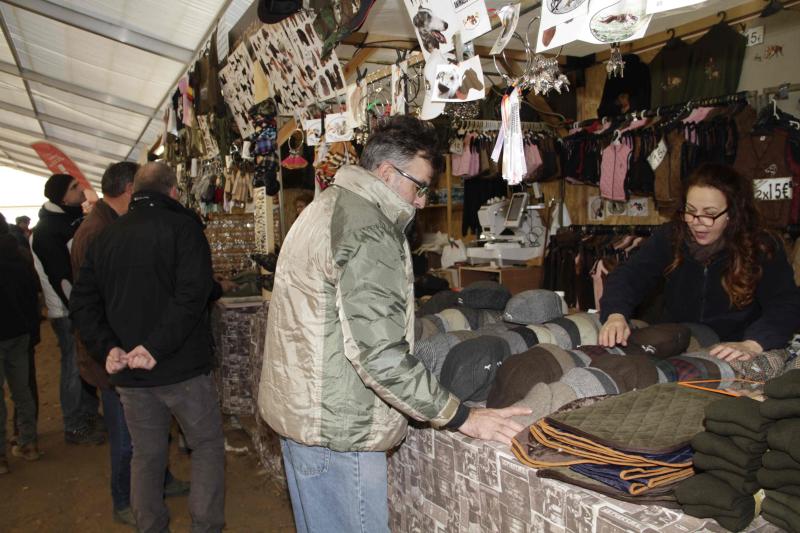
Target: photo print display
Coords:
[(436, 21), (290, 54), (459, 82), (337, 129)]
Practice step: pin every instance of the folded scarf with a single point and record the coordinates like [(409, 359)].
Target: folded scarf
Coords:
[(772, 478), (777, 409), (779, 460), (785, 436), (719, 446), (780, 506), (737, 482), (731, 429), (739, 410), (784, 386), (705, 496), (704, 461)]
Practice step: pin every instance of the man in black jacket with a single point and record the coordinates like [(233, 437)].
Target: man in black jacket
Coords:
[(19, 317), (141, 301), (59, 217)]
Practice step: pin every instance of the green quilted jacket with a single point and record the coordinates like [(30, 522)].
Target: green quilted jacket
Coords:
[(338, 370)]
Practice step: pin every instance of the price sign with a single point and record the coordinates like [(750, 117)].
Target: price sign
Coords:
[(755, 36), (773, 189)]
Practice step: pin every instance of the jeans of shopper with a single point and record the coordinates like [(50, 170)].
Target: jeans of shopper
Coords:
[(149, 411), (119, 439), (336, 491), (71, 389), (14, 369)]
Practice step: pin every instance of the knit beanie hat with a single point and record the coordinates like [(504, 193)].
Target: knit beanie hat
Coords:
[(56, 187), (471, 366), (535, 306), (485, 295)]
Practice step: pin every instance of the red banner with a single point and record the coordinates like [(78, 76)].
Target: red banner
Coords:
[(59, 163)]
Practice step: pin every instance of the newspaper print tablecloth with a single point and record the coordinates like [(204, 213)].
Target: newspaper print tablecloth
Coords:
[(443, 481)]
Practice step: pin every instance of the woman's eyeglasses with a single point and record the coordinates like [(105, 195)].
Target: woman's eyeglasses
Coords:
[(422, 188), (705, 220)]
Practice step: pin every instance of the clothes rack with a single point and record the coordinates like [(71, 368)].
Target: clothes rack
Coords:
[(606, 229), (495, 125)]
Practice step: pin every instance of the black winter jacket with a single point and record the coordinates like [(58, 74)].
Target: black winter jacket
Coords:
[(19, 287), (694, 293), (147, 280), (51, 236)]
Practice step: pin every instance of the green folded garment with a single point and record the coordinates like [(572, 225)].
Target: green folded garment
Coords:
[(783, 507), (775, 520), (785, 436), (730, 429), (739, 410), (773, 478), (738, 483), (749, 445), (784, 386), (705, 462), (777, 409), (723, 447), (779, 460), (705, 496)]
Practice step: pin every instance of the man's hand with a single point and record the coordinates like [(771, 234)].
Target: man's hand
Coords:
[(731, 351), (140, 357), (116, 360), (614, 331), (493, 424)]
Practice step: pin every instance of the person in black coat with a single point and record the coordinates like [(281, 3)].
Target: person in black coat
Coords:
[(140, 305), (721, 269)]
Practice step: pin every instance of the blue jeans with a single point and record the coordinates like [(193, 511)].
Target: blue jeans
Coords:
[(336, 491), (71, 390), (119, 439)]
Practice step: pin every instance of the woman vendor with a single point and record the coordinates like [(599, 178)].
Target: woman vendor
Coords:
[(721, 268)]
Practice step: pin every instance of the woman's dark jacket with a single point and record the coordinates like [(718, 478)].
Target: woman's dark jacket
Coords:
[(693, 292)]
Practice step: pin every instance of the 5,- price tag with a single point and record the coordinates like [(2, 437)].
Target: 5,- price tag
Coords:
[(755, 36), (773, 189)]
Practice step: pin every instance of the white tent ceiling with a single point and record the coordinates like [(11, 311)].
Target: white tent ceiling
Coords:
[(91, 76)]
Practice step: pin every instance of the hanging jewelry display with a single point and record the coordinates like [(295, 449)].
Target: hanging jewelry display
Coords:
[(615, 66), (295, 160)]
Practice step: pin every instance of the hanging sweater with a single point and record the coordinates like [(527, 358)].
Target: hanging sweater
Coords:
[(669, 71), (716, 63)]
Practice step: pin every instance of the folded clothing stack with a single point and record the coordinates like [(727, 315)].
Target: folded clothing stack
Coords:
[(780, 471), (728, 453), (632, 445)]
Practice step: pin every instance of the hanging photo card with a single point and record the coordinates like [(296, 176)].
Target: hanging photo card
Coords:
[(399, 76), (614, 21), (313, 131), (356, 106), (430, 109), (560, 23), (659, 6), (509, 17), (436, 21), (460, 82), (337, 129)]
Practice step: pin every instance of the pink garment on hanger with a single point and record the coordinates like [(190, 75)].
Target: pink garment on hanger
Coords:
[(474, 162), (459, 163), (533, 158), (613, 169)]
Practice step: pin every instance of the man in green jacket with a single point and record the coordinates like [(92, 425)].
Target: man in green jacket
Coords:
[(339, 377)]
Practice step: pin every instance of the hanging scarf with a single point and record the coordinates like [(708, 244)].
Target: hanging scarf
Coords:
[(510, 137)]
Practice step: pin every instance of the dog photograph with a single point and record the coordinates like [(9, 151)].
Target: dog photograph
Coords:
[(459, 82), (437, 21), (430, 29)]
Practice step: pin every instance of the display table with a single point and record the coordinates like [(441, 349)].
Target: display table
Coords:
[(443, 481), (515, 279)]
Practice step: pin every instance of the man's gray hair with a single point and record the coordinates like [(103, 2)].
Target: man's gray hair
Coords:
[(400, 139), (156, 177), (117, 176)]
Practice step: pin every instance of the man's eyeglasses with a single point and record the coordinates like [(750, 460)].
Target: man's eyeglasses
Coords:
[(422, 188), (705, 220)]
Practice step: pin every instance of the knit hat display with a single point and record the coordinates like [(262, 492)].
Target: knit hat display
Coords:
[(433, 350), (471, 366), (535, 306), (661, 340), (485, 295), (55, 188)]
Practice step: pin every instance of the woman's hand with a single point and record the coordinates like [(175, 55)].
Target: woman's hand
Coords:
[(732, 351), (614, 331)]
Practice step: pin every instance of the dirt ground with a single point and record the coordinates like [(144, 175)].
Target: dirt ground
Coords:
[(68, 488)]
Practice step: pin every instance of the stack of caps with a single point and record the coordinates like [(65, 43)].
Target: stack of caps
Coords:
[(780, 472), (634, 446), (728, 453)]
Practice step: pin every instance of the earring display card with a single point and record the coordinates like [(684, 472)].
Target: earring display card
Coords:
[(290, 54), (236, 78)]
